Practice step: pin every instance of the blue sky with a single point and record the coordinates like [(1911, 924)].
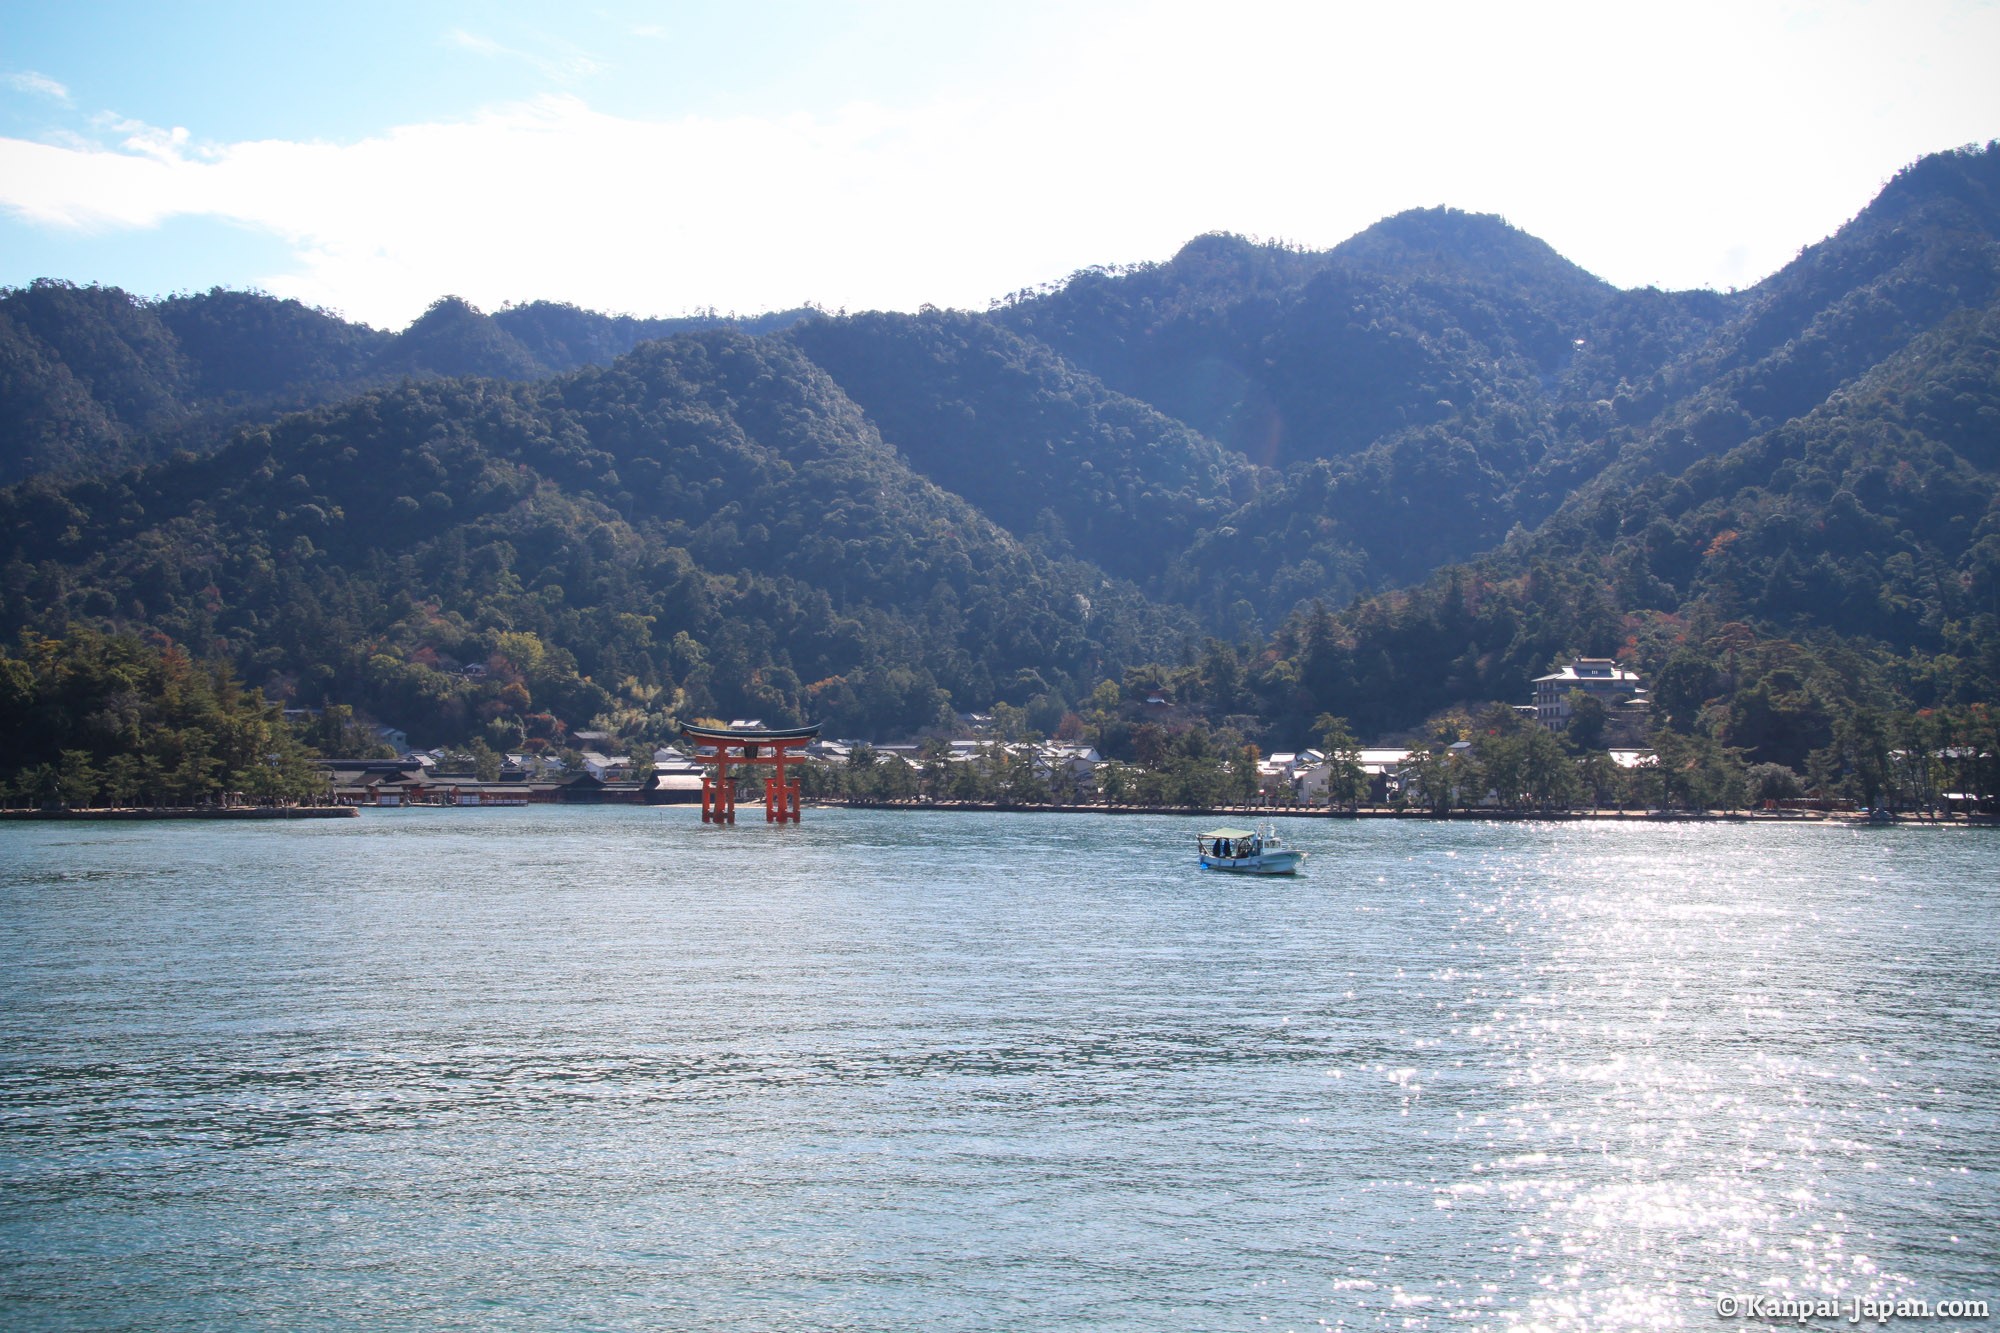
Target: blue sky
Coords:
[(658, 158)]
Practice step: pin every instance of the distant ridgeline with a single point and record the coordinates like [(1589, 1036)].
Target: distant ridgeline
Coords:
[(1392, 482)]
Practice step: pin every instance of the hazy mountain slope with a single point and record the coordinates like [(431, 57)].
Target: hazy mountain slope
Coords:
[(1925, 249), (1844, 562), (1442, 379), (565, 337), (1289, 357), (1169, 334), (454, 338), (1426, 387), (1876, 514), (1042, 449), (93, 378), (114, 344), (244, 347), (48, 419), (86, 370)]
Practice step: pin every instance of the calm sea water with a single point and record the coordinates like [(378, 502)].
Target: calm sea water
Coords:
[(609, 1068)]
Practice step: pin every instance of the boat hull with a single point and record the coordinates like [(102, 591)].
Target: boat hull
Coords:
[(1269, 863)]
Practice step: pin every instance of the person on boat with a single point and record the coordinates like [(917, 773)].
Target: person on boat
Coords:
[(1222, 848)]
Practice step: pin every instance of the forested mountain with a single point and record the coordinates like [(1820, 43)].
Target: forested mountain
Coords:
[(564, 337), (1417, 321), (708, 525), (1427, 386), (1040, 447), (1807, 524), (1378, 482), (93, 379)]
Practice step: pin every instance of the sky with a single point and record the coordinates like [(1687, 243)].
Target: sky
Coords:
[(656, 159)]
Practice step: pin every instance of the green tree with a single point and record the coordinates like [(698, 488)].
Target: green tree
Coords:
[(122, 779), (38, 785), (1587, 720), (1550, 779), (1600, 779), (77, 778), (486, 760), (934, 764), (1695, 772), (1244, 776), (1771, 782), (1682, 688), (1347, 781), (1114, 782), (1857, 764), (1439, 778)]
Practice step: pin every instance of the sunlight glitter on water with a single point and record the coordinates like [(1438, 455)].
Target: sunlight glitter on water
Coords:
[(1682, 1060), (970, 1072)]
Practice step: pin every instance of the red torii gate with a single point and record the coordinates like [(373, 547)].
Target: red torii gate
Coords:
[(716, 748)]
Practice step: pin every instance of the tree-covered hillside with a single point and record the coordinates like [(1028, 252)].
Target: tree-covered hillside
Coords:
[(706, 526), (1846, 557), (1384, 482), (1421, 319), (93, 379), (1041, 448), (1425, 387)]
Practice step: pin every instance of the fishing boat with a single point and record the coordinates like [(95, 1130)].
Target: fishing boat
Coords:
[(1239, 851)]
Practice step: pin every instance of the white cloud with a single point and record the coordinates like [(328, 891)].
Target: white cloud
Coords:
[(1647, 153), (39, 85)]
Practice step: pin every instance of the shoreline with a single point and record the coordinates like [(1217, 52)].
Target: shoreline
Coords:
[(230, 812), (1837, 818)]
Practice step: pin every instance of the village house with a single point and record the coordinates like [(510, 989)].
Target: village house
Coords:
[(606, 768), (1293, 775), (1384, 768), (1306, 775), (1070, 769), (522, 767), (1075, 763)]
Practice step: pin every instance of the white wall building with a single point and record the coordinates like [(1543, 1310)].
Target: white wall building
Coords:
[(1599, 677)]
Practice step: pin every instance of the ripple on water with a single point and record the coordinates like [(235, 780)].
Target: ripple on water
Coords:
[(559, 1067)]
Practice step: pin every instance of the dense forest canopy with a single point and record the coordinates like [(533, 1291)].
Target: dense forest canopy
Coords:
[(93, 378), (1390, 482)]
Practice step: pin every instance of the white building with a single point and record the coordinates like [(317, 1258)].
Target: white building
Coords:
[(606, 768), (1600, 678)]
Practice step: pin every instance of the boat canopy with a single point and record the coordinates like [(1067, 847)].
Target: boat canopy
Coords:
[(1230, 833)]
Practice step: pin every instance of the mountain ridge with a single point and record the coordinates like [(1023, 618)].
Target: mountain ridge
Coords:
[(1381, 479)]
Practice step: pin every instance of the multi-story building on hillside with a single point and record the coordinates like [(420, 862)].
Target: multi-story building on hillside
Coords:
[(1597, 677)]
